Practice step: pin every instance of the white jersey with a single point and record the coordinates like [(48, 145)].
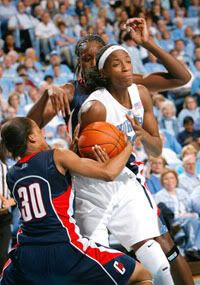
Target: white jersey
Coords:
[(122, 206), (116, 113)]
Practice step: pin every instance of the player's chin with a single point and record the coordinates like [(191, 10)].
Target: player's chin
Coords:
[(126, 81)]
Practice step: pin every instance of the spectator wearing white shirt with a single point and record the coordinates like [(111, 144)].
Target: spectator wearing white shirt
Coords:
[(45, 33), (23, 24), (189, 180)]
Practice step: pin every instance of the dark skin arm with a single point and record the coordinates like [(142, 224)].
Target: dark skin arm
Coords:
[(177, 74), (45, 109), (148, 133)]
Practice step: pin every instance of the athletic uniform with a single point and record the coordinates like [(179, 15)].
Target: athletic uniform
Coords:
[(124, 206), (50, 249)]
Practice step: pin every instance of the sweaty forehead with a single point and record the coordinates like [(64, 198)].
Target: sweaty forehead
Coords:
[(92, 48)]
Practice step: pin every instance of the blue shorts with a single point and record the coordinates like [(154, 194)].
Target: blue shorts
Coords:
[(64, 264)]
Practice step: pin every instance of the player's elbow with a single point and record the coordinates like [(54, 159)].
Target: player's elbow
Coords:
[(186, 77), (110, 175)]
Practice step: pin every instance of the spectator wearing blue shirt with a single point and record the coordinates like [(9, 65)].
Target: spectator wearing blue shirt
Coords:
[(170, 141), (166, 41), (134, 53), (157, 166), (178, 32), (196, 88), (179, 202), (168, 120), (152, 65), (55, 59), (189, 179), (65, 44)]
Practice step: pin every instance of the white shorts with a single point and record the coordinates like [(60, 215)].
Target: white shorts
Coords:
[(122, 207)]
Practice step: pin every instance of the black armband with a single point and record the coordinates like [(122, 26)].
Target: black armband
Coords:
[(173, 253)]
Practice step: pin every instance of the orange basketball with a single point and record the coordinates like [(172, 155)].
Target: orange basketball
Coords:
[(103, 134)]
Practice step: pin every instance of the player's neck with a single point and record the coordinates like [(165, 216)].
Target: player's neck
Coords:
[(121, 95)]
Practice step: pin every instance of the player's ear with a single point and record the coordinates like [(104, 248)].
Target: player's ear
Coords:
[(32, 138)]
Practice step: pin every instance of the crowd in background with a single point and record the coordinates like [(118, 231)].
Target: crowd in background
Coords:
[(37, 45)]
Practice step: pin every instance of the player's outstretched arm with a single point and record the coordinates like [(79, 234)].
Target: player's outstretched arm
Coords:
[(177, 74), (108, 171), (53, 100)]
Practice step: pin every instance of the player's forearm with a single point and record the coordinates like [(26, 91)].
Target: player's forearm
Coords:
[(115, 165), (152, 146), (176, 69), (36, 113)]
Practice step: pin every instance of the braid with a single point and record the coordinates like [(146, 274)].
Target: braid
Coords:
[(89, 38)]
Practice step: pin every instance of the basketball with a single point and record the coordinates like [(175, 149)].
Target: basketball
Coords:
[(103, 134)]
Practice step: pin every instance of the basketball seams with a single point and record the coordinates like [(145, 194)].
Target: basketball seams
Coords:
[(110, 138), (91, 145), (100, 131)]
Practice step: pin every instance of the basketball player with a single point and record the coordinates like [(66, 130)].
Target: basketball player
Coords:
[(50, 249), (86, 50)]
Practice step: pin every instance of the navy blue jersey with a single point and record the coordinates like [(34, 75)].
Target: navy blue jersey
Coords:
[(43, 197), (50, 248)]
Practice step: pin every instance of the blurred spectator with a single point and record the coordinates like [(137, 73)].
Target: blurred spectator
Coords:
[(10, 44), (157, 166), (22, 91), (152, 65), (191, 109), (189, 180), (170, 141), (187, 150), (166, 42), (51, 6), (59, 143), (14, 102), (168, 153), (168, 120), (189, 133), (34, 95), (5, 83), (196, 88), (15, 58), (55, 59), (178, 32), (7, 10), (31, 53), (23, 26), (9, 70), (158, 99), (179, 202), (65, 44), (32, 75), (45, 33), (134, 53), (63, 16)]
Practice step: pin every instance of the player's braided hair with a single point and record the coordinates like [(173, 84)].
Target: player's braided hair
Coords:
[(89, 38), (14, 135), (95, 80)]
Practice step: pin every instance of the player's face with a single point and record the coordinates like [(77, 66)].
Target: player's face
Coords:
[(88, 54), (118, 69), (39, 137)]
